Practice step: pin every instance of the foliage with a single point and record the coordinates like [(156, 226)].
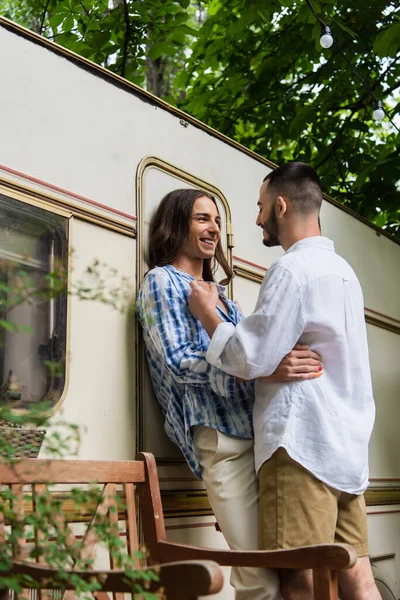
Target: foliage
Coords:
[(255, 71), (46, 535), (132, 38), (43, 531), (102, 283), (265, 81)]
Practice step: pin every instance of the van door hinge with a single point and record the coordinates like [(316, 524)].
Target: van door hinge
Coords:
[(229, 234)]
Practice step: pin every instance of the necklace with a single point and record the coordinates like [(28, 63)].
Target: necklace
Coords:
[(186, 273)]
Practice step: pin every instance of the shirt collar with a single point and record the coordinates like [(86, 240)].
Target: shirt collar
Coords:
[(313, 242), (184, 275)]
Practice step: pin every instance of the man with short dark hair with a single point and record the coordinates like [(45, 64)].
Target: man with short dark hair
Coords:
[(311, 437)]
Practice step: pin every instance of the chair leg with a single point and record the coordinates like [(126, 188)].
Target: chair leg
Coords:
[(325, 584)]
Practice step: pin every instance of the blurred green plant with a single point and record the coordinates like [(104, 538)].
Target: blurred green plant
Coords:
[(44, 529), (23, 433)]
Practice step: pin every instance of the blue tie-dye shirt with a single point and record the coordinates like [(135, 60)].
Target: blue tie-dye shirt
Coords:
[(189, 390)]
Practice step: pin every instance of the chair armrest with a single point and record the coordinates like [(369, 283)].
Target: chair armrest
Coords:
[(179, 579), (331, 556)]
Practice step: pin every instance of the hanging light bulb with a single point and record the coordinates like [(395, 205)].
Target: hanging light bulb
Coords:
[(378, 113), (326, 39)]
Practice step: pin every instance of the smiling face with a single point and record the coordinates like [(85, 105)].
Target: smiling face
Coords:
[(204, 230), (266, 218)]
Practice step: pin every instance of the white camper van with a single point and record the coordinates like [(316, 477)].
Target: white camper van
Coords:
[(85, 156)]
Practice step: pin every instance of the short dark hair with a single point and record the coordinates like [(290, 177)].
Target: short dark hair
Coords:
[(299, 183), (169, 230)]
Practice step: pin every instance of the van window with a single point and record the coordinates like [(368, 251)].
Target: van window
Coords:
[(33, 303)]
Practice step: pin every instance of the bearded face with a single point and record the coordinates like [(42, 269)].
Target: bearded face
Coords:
[(271, 229)]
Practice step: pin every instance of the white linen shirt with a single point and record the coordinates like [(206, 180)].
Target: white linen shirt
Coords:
[(313, 296)]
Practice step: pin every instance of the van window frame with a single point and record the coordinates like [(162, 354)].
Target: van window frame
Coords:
[(57, 221)]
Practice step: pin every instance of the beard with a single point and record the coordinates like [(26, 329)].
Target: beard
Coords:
[(272, 230)]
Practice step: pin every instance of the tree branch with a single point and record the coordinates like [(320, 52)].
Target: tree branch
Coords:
[(342, 173), (126, 38), (43, 17), (85, 10), (335, 144)]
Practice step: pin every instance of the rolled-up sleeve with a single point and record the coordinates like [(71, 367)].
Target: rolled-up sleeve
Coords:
[(172, 333), (256, 346)]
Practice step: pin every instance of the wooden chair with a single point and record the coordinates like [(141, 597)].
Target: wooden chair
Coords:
[(77, 521), (324, 559), (116, 505)]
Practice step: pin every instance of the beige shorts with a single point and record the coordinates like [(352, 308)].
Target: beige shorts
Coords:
[(296, 509)]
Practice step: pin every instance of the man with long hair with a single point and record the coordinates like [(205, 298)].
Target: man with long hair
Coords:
[(208, 414), (311, 437)]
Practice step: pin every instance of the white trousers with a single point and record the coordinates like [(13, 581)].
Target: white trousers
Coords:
[(227, 468)]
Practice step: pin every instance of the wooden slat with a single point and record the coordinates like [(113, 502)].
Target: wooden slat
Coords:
[(4, 594), (72, 471), (115, 562), (151, 508), (64, 531), (57, 521), (180, 580), (333, 556), (19, 550), (18, 508), (76, 549), (73, 514), (111, 493), (2, 528), (325, 584), (39, 491), (131, 523), (88, 544), (90, 537)]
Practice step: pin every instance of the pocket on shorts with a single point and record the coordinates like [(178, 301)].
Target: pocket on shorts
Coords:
[(231, 447), (205, 444)]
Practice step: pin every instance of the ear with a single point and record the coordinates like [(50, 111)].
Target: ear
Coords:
[(281, 207)]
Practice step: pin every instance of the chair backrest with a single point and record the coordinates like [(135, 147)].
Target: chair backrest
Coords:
[(55, 510)]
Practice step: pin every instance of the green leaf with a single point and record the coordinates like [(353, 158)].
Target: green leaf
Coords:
[(381, 219), (68, 23), (8, 326), (359, 125), (387, 42), (161, 49), (188, 30), (99, 38), (303, 117), (67, 39), (26, 329), (178, 37), (346, 29), (56, 19)]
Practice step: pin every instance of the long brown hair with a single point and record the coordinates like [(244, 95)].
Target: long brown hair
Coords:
[(169, 231)]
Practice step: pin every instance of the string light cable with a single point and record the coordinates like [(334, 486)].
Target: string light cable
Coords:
[(326, 41)]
